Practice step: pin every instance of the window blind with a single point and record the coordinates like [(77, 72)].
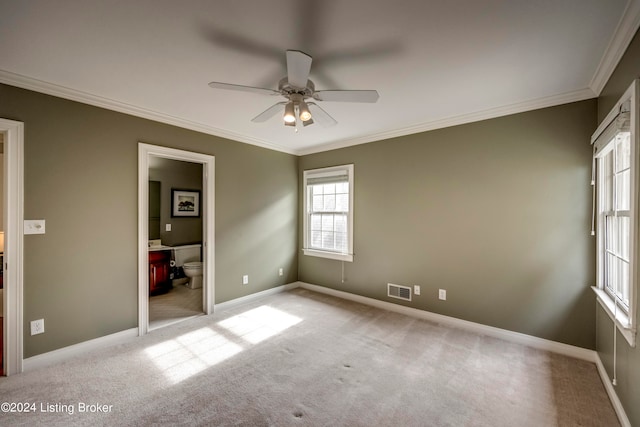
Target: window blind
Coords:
[(621, 123), (328, 179)]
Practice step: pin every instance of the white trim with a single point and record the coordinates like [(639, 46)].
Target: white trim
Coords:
[(611, 391), (491, 113), (63, 354), (626, 328), (626, 29), (327, 254), (515, 337), (14, 235), (256, 296), (98, 101), (626, 325), (208, 225), (30, 83)]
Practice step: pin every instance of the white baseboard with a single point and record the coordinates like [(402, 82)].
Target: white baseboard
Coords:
[(611, 391), (531, 341), (62, 354), (252, 297), (516, 337), (65, 353)]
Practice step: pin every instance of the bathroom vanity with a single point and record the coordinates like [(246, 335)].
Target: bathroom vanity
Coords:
[(159, 271)]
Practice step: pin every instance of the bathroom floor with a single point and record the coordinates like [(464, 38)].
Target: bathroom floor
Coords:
[(178, 304)]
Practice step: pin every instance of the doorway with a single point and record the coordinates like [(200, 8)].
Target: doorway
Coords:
[(175, 239), (148, 156), (12, 220), (2, 179)]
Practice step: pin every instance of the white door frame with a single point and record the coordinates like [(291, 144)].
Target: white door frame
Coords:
[(208, 224), (13, 205)]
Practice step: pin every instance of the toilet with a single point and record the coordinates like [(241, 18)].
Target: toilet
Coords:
[(193, 270), (188, 257)]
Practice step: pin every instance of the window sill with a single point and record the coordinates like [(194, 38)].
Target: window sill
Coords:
[(329, 255), (622, 321)]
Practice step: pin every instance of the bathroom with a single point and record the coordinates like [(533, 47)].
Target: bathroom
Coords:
[(175, 240)]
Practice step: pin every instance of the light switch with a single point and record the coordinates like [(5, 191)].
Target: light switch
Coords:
[(34, 226), (167, 227)]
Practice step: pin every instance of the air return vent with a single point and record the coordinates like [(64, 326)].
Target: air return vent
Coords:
[(400, 292)]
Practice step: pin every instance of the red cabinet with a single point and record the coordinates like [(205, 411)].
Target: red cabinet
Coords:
[(159, 268)]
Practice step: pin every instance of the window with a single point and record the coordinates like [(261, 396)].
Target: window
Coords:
[(328, 212), (616, 195), (615, 158)]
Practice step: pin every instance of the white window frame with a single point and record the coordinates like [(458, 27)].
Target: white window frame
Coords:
[(624, 318), (321, 173)]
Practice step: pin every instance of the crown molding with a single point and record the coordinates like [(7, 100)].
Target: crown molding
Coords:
[(626, 29), (36, 85), (29, 83), (492, 113), (622, 37), (599, 74)]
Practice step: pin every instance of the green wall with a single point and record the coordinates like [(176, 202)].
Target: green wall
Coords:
[(628, 359), (81, 177), (496, 212)]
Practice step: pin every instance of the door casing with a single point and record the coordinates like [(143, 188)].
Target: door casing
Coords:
[(13, 205), (208, 224)]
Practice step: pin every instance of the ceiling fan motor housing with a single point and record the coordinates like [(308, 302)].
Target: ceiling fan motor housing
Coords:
[(287, 90)]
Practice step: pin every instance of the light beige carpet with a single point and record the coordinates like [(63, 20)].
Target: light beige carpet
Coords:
[(302, 358)]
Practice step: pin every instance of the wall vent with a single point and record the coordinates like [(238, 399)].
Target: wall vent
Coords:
[(400, 292)]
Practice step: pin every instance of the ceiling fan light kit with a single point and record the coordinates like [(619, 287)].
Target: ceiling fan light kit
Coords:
[(296, 88), (296, 105)]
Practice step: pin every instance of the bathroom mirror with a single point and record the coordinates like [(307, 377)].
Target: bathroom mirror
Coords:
[(154, 210)]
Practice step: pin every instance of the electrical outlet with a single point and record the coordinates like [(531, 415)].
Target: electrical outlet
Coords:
[(442, 294), (245, 279), (37, 327), (416, 290), (280, 272), (167, 227)]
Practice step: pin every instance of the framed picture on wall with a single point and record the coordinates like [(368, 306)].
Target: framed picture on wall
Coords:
[(185, 203)]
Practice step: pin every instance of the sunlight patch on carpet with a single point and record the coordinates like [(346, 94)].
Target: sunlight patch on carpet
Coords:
[(260, 323), (191, 353)]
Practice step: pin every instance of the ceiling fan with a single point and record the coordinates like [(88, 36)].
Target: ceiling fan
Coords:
[(296, 88)]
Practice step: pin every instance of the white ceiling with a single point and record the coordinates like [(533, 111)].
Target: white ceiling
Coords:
[(434, 63)]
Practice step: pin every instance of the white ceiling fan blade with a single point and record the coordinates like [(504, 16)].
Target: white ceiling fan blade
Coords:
[(241, 88), (320, 115), (268, 113), (347, 95), (298, 68)]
